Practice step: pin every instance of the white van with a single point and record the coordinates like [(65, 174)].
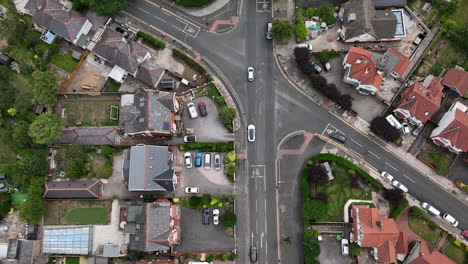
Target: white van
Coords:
[(392, 120), (207, 161), (430, 209), (450, 219)]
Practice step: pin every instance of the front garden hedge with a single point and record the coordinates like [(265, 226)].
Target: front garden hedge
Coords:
[(154, 42), (207, 147), (396, 210), (194, 3), (366, 178), (179, 54)]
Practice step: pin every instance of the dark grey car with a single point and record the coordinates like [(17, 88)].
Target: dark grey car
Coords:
[(338, 137), (206, 216), (253, 253)]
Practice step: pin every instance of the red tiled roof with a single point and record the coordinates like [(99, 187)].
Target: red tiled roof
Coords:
[(422, 102), (430, 255), (457, 130), (376, 229), (365, 71), (386, 252), (402, 245), (403, 64), (458, 80)]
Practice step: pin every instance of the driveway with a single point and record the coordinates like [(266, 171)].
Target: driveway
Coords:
[(209, 181), (208, 128), (330, 252), (367, 106), (197, 237)]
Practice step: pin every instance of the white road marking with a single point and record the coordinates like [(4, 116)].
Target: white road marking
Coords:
[(256, 205), (130, 3), (409, 178), (391, 166), (355, 152), (261, 240), (373, 154), (160, 19), (356, 143), (141, 9)]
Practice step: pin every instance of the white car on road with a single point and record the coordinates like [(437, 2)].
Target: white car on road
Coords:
[(399, 186), (192, 190), (386, 176), (250, 74), (251, 133)]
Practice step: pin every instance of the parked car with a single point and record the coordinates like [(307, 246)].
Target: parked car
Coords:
[(198, 159), (253, 253), (192, 110), (207, 161), (3, 190), (192, 190), (344, 246), (430, 208), (386, 176), (405, 128), (206, 216), (251, 133), (269, 33), (2, 176), (215, 216), (338, 137), (418, 130), (450, 219), (465, 233), (190, 138), (250, 74), (316, 67), (202, 109), (188, 160), (327, 66), (399, 186), (217, 162), (307, 46)]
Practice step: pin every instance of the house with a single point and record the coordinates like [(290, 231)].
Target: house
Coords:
[(373, 230), (150, 73), (362, 23), (457, 80), (424, 253), (87, 190), (125, 55), (96, 136), (366, 70), (153, 227), (149, 113), (452, 129), (149, 168), (380, 4), (18, 251), (420, 101), (54, 19)]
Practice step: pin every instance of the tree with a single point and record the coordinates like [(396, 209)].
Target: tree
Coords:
[(229, 219), (46, 129), (318, 175), (33, 208), (311, 250), (5, 203), (102, 7), (9, 24), (282, 30), (311, 12), (20, 134), (230, 157), (354, 249), (302, 56), (206, 199), (393, 196), (6, 90), (311, 234), (76, 158), (227, 115), (45, 87), (195, 202), (32, 165), (325, 12), (326, 55), (381, 127), (301, 31), (314, 210)]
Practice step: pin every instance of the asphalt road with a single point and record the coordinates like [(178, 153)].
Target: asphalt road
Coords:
[(276, 108)]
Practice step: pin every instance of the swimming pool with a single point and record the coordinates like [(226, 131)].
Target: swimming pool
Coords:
[(400, 26)]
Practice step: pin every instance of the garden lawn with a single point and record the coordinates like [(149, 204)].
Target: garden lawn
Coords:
[(440, 162), (72, 260), (339, 192), (66, 62), (18, 198), (456, 253), (90, 113), (7, 154), (87, 216), (459, 16), (422, 228)]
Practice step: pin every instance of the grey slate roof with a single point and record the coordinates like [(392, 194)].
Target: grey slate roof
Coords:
[(53, 17), (151, 111), (384, 24), (389, 3), (111, 251), (73, 190), (89, 136), (150, 72), (150, 169), (126, 54)]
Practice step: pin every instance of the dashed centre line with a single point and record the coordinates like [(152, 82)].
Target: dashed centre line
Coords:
[(141, 9), (356, 143), (370, 152), (391, 166), (409, 178)]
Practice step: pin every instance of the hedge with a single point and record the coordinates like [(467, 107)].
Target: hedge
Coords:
[(371, 205), (194, 3), (366, 178), (416, 212), (179, 54), (154, 42), (207, 147), (397, 209)]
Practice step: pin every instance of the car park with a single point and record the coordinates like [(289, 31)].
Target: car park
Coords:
[(190, 138), (250, 74), (188, 160), (307, 46), (217, 162), (206, 216), (450, 219), (344, 247), (316, 67), (192, 190), (215, 216), (386, 176), (251, 133), (253, 253), (202, 109), (399, 186), (192, 110), (198, 159), (430, 209), (338, 137), (405, 128), (207, 161), (269, 32)]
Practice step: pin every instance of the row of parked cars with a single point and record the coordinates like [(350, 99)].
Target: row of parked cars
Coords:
[(206, 216), (199, 161)]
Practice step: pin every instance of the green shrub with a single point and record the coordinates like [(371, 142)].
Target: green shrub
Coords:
[(432, 226), (371, 205), (210, 258), (219, 100), (154, 42), (179, 54), (311, 12), (213, 90), (229, 219), (230, 170), (451, 239), (301, 31), (106, 151), (230, 157), (195, 202), (194, 3), (326, 55), (206, 199), (106, 171), (416, 212), (207, 146), (354, 249), (232, 256), (397, 209), (227, 116), (457, 243)]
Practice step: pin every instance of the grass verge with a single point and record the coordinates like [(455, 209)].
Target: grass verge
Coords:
[(66, 62), (422, 228)]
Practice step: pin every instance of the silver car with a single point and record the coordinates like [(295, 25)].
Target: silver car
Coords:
[(251, 133), (217, 162), (399, 186), (250, 74)]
